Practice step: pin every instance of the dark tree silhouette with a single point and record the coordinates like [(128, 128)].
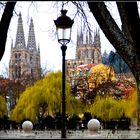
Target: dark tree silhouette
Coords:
[(4, 25), (125, 40)]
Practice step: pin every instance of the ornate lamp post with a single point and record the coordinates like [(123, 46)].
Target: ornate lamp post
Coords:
[(63, 27)]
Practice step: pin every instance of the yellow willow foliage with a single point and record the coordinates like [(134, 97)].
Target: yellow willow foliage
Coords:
[(118, 108), (107, 108), (132, 104), (73, 105), (17, 114), (96, 107), (3, 107), (28, 99), (46, 91), (53, 91), (100, 74), (29, 113)]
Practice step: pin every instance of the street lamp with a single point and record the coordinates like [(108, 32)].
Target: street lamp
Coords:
[(63, 28)]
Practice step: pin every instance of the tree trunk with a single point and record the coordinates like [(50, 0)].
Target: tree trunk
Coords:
[(138, 110), (126, 42), (4, 25)]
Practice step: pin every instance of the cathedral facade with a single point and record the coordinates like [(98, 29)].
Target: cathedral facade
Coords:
[(24, 59), (88, 50)]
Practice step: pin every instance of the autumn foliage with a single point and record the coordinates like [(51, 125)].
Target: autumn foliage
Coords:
[(3, 107), (100, 74), (45, 97)]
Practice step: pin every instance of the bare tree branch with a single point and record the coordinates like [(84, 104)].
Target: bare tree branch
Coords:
[(80, 11)]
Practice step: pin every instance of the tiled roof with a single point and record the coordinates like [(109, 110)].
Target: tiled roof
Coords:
[(87, 66)]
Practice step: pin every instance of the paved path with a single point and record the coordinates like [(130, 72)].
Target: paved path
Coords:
[(78, 134)]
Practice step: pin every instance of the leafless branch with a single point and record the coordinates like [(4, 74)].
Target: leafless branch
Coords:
[(82, 12)]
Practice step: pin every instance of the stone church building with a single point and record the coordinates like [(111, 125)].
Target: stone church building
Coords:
[(25, 58), (88, 50)]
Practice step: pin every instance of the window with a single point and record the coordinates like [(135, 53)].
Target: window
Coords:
[(86, 53)]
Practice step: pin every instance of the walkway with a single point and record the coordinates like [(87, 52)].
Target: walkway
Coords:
[(78, 134)]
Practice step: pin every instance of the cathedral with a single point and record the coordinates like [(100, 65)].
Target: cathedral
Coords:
[(24, 59), (88, 50)]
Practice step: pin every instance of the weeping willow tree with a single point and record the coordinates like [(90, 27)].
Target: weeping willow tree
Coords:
[(131, 109), (3, 107), (46, 93), (108, 108)]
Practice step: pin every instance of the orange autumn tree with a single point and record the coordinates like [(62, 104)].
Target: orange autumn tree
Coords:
[(89, 77)]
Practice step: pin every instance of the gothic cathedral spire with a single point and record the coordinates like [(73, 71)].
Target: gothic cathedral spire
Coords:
[(20, 39), (97, 38), (31, 44), (24, 60)]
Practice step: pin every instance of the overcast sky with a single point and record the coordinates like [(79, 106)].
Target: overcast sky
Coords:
[(43, 15)]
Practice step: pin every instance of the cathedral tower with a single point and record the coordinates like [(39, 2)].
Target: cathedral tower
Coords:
[(24, 60), (88, 49)]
